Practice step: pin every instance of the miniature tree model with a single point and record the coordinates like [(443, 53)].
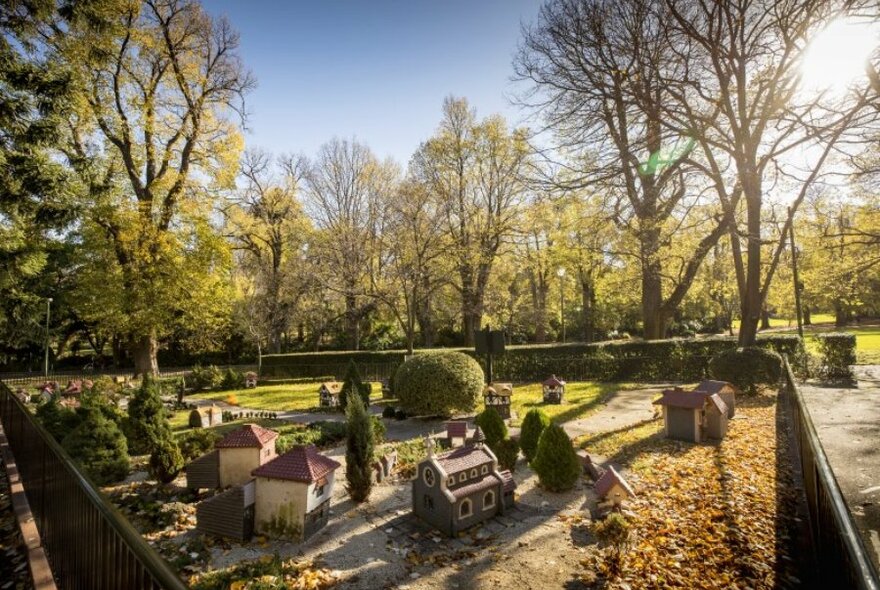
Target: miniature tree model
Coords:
[(533, 425), (493, 427), (556, 462), (359, 450), (353, 384)]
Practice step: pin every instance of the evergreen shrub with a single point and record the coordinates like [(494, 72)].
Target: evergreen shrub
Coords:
[(99, 447), (507, 452), (556, 462), (388, 412), (533, 425), (354, 385), (492, 425), (147, 418), (837, 351), (166, 460), (439, 384), (749, 368), (360, 441)]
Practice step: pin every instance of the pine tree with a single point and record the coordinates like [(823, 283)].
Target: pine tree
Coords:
[(354, 384), (493, 426), (166, 460), (147, 418), (533, 425), (556, 461), (99, 446), (359, 451)]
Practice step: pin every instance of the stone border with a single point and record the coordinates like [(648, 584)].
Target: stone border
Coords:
[(41, 573)]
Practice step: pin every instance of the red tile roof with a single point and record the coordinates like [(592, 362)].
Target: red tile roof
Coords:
[(301, 463), (462, 459), (456, 429), (607, 481), (680, 398), (553, 381), (485, 483), (249, 435)]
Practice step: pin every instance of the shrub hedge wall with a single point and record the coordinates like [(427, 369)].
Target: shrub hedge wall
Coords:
[(675, 359)]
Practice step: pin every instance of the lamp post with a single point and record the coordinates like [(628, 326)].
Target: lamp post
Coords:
[(46, 362), (560, 272)]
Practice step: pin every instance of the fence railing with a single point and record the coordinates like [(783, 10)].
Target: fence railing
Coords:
[(841, 556), (90, 545)]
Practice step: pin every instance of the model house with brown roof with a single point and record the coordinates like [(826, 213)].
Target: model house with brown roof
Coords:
[(612, 488), (497, 395), (457, 489), (293, 493), (233, 458), (553, 390), (456, 429), (328, 394), (693, 415), (250, 379), (726, 391)]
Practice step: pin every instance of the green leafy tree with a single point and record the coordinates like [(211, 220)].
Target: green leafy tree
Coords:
[(556, 461), (533, 425), (493, 427), (507, 452), (99, 446), (360, 440), (354, 385)]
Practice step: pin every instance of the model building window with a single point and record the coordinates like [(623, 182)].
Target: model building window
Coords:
[(319, 490), (485, 469), (429, 502), (463, 476), (450, 481), (488, 500), (474, 472), (466, 509), (428, 476)]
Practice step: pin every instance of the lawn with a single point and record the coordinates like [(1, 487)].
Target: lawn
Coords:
[(867, 343), (580, 399), (276, 398)]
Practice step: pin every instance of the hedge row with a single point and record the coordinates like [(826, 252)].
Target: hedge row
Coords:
[(673, 360)]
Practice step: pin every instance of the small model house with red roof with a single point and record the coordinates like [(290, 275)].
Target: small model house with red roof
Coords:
[(612, 488), (233, 458), (693, 415), (462, 487), (293, 493), (553, 389), (727, 392), (497, 395)]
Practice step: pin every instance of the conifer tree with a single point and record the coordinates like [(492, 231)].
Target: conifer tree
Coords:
[(354, 385), (556, 461), (359, 450)]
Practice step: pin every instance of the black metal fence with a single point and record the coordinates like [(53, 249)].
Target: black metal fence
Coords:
[(90, 545), (841, 556)]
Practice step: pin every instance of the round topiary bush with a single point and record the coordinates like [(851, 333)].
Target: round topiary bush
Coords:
[(556, 461), (748, 368), (492, 425), (438, 384), (533, 425)]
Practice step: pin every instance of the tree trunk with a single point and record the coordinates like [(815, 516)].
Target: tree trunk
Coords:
[(144, 351), (539, 306), (751, 300), (765, 318), (653, 318), (841, 315), (588, 304), (807, 320), (352, 323)]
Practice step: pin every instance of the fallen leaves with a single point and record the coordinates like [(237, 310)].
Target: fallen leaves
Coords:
[(267, 573)]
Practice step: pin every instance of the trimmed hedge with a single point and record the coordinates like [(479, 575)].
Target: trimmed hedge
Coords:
[(675, 359), (438, 384), (837, 351), (748, 368)]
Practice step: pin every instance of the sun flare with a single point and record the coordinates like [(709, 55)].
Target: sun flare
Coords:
[(836, 57)]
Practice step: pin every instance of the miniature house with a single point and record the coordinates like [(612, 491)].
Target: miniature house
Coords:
[(693, 415), (206, 417), (250, 380), (457, 429), (553, 389), (612, 488), (233, 458), (293, 493), (497, 395), (726, 391), (328, 394), (462, 487), (228, 514)]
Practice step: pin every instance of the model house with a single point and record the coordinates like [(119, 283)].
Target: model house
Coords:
[(612, 488), (553, 390), (228, 514), (456, 429), (293, 493), (693, 415), (457, 489), (233, 458), (250, 379), (726, 391), (206, 417), (497, 395), (328, 394)]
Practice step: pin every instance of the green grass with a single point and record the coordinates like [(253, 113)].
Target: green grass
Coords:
[(816, 318), (180, 423), (276, 398), (867, 342), (581, 398)]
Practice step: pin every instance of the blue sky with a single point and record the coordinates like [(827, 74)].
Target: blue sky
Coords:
[(375, 70)]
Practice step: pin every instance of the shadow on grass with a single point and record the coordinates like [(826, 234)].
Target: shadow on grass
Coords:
[(575, 410)]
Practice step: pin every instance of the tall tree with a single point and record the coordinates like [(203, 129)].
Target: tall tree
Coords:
[(598, 69), (160, 91), (475, 171)]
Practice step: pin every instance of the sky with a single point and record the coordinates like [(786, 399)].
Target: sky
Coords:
[(374, 70)]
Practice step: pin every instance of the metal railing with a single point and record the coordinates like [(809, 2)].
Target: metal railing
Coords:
[(90, 545), (841, 556)]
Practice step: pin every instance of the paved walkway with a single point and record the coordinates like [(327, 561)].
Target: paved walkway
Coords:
[(624, 408), (848, 423)]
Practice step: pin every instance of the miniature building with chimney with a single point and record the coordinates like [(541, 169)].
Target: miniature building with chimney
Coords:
[(233, 458), (456, 429), (250, 379), (293, 493), (612, 488), (726, 391), (497, 395), (457, 489), (206, 417), (553, 389), (693, 415), (328, 394)]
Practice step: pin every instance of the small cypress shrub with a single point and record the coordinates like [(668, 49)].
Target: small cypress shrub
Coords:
[(507, 452), (749, 368), (56, 419), (232, 379), (147, 417), (533, 425), (195, 443), (166, 461), (99, 447), (379, 429), (400, 415), (360, 440), (492, 425), (353, 385), (556, 461)]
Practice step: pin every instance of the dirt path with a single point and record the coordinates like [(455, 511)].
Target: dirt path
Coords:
[(622, 409), (848, 423)]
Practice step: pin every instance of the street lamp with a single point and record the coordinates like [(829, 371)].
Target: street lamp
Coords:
[(46, 363), (560, 272)]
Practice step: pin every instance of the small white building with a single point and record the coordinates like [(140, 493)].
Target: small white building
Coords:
[(293, 493), (206, 417)]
